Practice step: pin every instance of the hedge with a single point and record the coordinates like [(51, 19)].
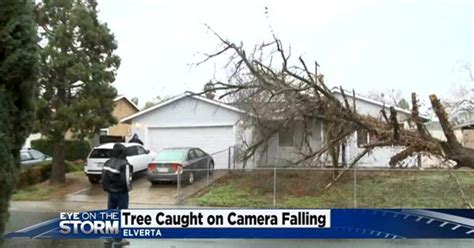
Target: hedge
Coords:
[(41, 172), (74, 150)]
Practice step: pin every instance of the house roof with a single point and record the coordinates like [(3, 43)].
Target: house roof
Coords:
[(120, 97), (369, 100), (375, 102), (235, 109), (179, 97)]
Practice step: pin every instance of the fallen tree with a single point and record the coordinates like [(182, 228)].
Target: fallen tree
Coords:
[(276, 93)]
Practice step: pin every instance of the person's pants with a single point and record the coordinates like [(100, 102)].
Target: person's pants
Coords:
[(118, 200)]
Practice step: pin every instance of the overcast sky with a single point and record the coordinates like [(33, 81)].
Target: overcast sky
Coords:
[(409, 45)]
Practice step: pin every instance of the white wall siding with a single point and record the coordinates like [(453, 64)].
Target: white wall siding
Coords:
[(378, 157), (187, 112), (274, 155), (190, 122)]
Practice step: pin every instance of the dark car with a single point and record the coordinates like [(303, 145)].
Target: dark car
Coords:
[(31, 157), (189, 162)]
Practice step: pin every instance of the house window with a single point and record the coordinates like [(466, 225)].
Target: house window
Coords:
[(364, 138), (286, 137), (373, 138)]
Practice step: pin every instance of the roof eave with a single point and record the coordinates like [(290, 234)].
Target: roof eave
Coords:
[(176, 98)]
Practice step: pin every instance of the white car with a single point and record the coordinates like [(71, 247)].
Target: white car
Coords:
[(137, 155)]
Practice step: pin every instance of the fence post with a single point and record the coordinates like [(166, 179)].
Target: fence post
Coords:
[(274, 185), (355, 186), (233, 157), (228, 157), (207, 176), (178, 186)]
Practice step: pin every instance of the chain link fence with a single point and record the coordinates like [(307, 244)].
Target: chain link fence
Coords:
[(230, 185), (204, 175)]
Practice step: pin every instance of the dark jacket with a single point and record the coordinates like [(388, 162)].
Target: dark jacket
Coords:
[(117, 175), (135, 139)]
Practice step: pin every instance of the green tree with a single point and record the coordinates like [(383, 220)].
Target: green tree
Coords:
[(403, 104), (77, 68), (156, 100), (209, 90), (18, 59)]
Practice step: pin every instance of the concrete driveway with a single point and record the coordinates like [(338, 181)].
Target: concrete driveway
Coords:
[(143, 192)]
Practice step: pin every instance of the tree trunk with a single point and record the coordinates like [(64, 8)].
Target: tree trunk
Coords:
[(343, 154), (453, 150), (58, 172), (334, 152)]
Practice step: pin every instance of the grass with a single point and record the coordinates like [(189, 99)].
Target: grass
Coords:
[(43, 191), (34, 193), (229, 196), (383, 189)]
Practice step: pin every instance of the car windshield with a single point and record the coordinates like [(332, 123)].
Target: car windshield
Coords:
[(171, 155), (100, 153)]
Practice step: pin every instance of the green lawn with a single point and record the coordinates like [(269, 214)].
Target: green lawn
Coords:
[(305, 190), (33, 193), (43, 191)]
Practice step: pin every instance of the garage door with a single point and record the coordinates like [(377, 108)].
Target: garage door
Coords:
[(209, 139)]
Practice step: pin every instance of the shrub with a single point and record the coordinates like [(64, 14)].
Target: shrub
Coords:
[(36, 174), (41, 172), (74, 150), (74, 166)]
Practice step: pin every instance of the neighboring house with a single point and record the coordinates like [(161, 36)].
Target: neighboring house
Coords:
[(464, 132), (462, 118), (192, 120), (121, 131), (123, 108), (468, 136)]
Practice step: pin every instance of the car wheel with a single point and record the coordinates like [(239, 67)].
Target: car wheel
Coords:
[(190, 178), (211, 168), (94, 179)]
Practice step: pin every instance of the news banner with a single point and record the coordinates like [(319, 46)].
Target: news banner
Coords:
[(255, 223)]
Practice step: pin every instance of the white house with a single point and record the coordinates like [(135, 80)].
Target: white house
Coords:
[(379, 156), (192, 120), (282, 148)]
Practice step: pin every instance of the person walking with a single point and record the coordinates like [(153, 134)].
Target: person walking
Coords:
[(116, 180), (135, 139)]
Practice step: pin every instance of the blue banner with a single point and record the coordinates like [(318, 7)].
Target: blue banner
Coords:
[(256, 223)]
